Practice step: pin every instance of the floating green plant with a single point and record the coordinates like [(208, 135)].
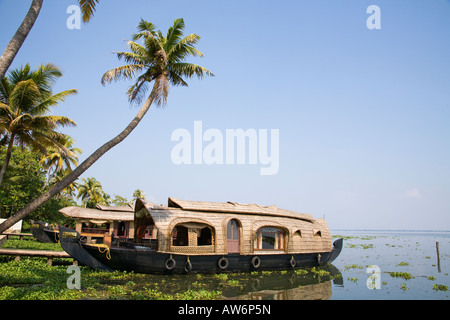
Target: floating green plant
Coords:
[(404, 275), (440, 287)]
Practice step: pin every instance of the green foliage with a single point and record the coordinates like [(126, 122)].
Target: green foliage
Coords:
[(26, 180), (30, 244), (404, 275), (120, 201), (440, 287), (158, 59), (33, 279), (25, 101), (353, 279), (91, 193)]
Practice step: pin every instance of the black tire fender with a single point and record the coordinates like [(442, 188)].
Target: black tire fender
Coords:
[(188, 266), (170, 263), (256, 262), (222, 263)]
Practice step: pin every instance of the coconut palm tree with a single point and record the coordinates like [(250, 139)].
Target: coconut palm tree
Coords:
[(56, 161), (90, 192), (69, 191), (19, 37), (138, 194), (159, 60), (87, 9), (25, 100)]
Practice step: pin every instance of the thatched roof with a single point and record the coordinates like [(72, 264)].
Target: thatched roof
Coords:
[(102, 213), (128, 208), (234, 207)]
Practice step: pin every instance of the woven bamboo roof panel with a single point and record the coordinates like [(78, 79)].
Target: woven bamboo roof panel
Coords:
[(239, 208), (96, 214)]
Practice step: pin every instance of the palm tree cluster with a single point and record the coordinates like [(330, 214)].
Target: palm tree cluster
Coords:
[(91, 193), (26, 98), (155, 62)]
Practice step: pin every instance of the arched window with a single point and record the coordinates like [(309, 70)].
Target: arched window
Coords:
[(180, 236), (192, 234), (270, 238), (205, 237)]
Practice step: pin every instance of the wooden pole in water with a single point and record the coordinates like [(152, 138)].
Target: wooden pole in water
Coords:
[(438, 259)]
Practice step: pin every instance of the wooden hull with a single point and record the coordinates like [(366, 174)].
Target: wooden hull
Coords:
[(44, 233), (132, 257), (70, 241)]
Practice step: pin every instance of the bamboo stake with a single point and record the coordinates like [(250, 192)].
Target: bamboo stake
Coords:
[(438, 259)]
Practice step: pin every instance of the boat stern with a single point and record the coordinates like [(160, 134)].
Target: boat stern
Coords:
[(336, 249)]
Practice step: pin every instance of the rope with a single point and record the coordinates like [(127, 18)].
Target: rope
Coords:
[(105, 248)]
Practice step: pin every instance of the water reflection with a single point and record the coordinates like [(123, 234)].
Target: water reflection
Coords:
[(293, 286), (302, 284)]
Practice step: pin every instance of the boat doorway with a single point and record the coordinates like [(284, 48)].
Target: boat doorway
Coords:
[(233, 236), (121, 229)]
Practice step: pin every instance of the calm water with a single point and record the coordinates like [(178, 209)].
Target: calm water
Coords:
[(412, 252), (409, 252)]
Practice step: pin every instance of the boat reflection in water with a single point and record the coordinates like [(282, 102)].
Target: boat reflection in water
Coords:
[(291, 286)]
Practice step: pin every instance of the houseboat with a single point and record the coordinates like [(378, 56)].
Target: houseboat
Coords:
[(95, 225), (103, 223), (207, 237)]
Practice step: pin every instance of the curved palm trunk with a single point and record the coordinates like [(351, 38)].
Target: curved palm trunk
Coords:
[(7, 158), (19, 37), (58, 187)]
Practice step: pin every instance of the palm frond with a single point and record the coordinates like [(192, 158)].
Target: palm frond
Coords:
[(5, 90), (145, 28), (189, 70), (137, 91), (24, 95), (122, 72), (19, 74), (185, 48), (20, 122), (45, 77), (158, 59), (174, 34), (87, 9), (160, 90), (5, 110), (52, 101), (62, 121), (132, 57)]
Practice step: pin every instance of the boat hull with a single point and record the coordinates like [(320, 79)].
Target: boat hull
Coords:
[(71, 241), (142, 260), (43, 233), (131, 257)]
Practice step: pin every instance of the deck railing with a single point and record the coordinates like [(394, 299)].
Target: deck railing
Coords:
[(193, 249)]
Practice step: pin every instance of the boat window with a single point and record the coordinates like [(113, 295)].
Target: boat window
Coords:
[(318, 234), (270, 238), (205, 237), (180, 236), (89, 227), (232, 230)]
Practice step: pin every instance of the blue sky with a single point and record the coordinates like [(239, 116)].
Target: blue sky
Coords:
[(363, 115)]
